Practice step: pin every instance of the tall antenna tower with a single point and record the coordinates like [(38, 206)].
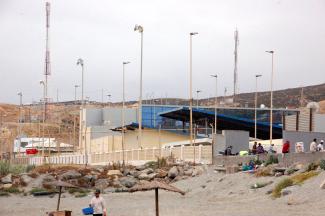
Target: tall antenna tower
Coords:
[(47, 71), (235, 66)]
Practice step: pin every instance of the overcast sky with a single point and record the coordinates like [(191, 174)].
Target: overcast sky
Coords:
[(101, 32)]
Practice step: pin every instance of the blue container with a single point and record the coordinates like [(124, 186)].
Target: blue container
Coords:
[(88, 211)]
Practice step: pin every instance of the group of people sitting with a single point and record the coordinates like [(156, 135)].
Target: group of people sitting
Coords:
[(259, 149)]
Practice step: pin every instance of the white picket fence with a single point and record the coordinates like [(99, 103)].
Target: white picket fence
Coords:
[(203, 154)]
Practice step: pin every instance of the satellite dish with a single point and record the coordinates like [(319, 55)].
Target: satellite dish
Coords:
[(313, 105)]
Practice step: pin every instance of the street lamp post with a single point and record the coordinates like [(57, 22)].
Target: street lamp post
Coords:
[(109, 99), (215, 104), (20, 94), (75, 93), (191, 95), (271, 103), (81, 129), (123, 112), (139, 28), (197, 98), (255, 128), (41, 82)]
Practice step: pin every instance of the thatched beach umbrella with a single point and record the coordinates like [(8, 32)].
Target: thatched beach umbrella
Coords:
[(60, 184), (155, 185)]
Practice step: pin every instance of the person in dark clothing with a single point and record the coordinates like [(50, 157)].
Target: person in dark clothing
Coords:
[(228, 150), (260, 149), (254, 149)]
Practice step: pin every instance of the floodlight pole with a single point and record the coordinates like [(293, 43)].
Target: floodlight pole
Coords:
[(139, 28), (271, 103), (20, 94), (44, 111), (81, 63), (191, 97), (255, 128), (197, 98), (123, 113)]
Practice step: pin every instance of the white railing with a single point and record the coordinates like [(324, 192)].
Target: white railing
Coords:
[(134, 156)]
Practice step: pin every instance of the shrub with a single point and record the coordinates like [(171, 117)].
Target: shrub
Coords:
[(12, 190), (162, 162), (287, 182), (301, 177), (311, 166), (17, 169), (322, 164), (4, 168), (30, 168), (78, 190), (272, 159), (3, 193), (36, 190), (152, 164), (79, 195)]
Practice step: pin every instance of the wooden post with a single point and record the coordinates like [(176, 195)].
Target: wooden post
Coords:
[(60, 190), (157, 201)]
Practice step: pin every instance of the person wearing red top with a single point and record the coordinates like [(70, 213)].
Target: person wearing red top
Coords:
[(286, 147)]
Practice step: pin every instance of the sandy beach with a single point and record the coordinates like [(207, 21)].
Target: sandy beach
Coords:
[(209, 194)]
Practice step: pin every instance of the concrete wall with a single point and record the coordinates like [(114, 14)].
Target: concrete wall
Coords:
[(320, 123), (239, 140), (284, 160), (305, 137), (113, 116)]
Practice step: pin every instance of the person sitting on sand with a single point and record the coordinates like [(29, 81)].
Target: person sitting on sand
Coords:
[(260, 149), (97, 203), (228, 150), (320, 146), (271, 149), (254, 148)]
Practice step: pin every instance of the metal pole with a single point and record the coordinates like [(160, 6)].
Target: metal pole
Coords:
[(19, 119), (123, 113), (255, 128), (139, 28), (197, 98), (191, 97), (81, 62), (157, 201), (271, 103)]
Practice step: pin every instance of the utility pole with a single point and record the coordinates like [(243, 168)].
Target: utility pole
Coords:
[(47, 55), (235, 66), (139, 28), (255, 128), (191, 97), (123, 113), (20, 94), (271, 103)]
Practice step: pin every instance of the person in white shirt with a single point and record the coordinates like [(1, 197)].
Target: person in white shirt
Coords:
[(313, 146), (98, 204), (320, 146)]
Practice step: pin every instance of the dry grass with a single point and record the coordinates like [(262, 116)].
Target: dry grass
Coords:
[(265, 171), (293, 180), (287, 182), (300, 178)]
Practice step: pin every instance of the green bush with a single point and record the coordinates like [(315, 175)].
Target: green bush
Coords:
[(12, 190), (78, 190), (4, 168), (287, 182), (312, 166), (17, 169), (322, 164), (3, 193), (272, 159), (30, 168), (79, 195)]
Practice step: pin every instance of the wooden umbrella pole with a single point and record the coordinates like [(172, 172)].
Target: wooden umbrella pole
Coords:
[(157, 201), (60, 190)]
